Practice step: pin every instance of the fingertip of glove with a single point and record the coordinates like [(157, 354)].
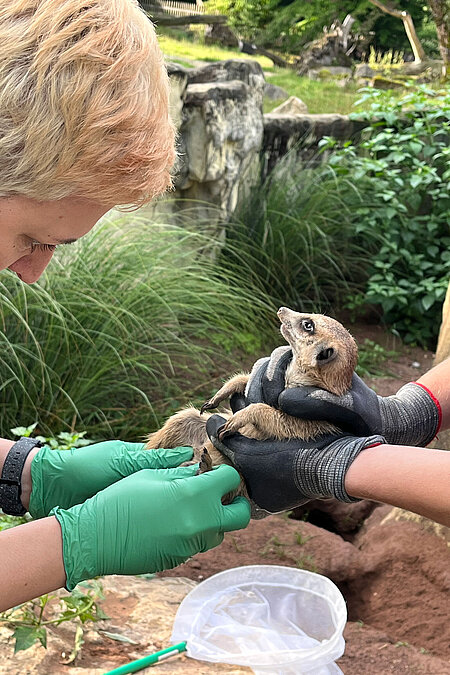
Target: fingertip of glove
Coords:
[(238, 514)]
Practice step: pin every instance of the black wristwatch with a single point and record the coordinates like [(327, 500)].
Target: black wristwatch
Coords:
[(11, 478)]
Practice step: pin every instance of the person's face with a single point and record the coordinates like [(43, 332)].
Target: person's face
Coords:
[(30, 231)]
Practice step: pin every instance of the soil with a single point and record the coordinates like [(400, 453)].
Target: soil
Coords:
[(394, 574)]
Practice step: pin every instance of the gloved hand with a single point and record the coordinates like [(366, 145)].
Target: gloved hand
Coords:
[(280, 475), (150, 521), (68, 477), (410, 417)]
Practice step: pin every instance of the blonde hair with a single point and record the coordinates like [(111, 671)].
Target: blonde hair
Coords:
[(83, 102)]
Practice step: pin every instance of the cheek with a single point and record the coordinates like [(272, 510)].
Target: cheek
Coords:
[(10, 253)]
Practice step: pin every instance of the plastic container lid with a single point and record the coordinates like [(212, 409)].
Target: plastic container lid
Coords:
[(274, 619)]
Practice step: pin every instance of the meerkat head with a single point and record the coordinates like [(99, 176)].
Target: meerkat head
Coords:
[(324, 352)]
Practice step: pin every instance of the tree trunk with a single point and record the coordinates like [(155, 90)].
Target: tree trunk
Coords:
[(441, 15), (408, 23)]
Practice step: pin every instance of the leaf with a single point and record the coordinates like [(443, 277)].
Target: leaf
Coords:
[(24, 431), (428, 301), (118, 637), (415, 147), (415, 180), (26, 636)]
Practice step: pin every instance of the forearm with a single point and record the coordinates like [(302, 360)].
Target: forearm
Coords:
[(31, 561), (416, 479), (437, 381)]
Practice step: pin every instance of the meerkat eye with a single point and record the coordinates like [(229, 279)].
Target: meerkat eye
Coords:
[(308, 325)]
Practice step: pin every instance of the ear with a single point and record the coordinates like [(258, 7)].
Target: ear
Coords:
[(326, 355)]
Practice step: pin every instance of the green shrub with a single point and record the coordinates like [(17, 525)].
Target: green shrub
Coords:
[(124, 326), (402, 169)]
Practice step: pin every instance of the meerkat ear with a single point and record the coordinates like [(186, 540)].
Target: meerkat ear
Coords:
[(326, 355)]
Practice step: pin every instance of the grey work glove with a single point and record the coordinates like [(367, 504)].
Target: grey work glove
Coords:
[(280, 475), (410, 417)]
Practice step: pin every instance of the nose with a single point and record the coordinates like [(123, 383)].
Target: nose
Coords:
[(30, 267)]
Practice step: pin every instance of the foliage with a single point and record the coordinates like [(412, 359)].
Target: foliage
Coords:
[(297, 230), (371, 359), (31, 619), (385, 60), (62, 441), (288, 25), (121, 320), (389, 30), (282, 25), (403, 169)]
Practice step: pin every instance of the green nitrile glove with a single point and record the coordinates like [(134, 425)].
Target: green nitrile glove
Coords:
[(149, 521), (68, 477)]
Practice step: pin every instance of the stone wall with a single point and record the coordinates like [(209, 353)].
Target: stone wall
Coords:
[(220, 126), (226, 144)]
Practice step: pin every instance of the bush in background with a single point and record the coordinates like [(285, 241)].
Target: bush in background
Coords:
[(403, 170)]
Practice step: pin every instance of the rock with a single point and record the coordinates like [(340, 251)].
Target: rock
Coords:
[(220, 34), (221, 134), (178, 82), (330, 72), (293, 106), (301, 134), (274, 93), (384, 83), (364, 70), (246, 71)]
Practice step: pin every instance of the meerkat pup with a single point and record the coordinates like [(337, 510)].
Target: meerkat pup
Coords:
[(324, 355)]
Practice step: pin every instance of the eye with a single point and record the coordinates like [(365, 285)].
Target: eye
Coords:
[(35, 245), (308, 325)]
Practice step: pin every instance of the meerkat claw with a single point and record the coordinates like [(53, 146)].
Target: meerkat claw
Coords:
[(223, 433), (206, 406), (205, 462)]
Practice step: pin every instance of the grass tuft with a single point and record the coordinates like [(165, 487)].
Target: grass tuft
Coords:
[(123, 328)]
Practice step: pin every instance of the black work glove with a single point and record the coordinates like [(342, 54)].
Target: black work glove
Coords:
[(280, 475), (410, 417)]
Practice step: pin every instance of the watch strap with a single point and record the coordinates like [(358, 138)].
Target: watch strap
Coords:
[(11, 478)]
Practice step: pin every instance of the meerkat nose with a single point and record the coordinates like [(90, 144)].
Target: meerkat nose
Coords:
[(282, 311)]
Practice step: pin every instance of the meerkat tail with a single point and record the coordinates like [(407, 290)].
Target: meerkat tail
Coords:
[(186, 427)]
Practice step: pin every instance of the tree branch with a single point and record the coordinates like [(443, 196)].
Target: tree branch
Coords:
[(408, 23)]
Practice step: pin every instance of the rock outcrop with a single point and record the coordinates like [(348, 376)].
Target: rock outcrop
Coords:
[(221, 133), (225, 142)]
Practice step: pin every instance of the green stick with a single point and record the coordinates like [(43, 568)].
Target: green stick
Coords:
[(134, 666)]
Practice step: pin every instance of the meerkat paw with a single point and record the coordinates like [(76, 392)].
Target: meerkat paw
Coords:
[(244, 418)]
